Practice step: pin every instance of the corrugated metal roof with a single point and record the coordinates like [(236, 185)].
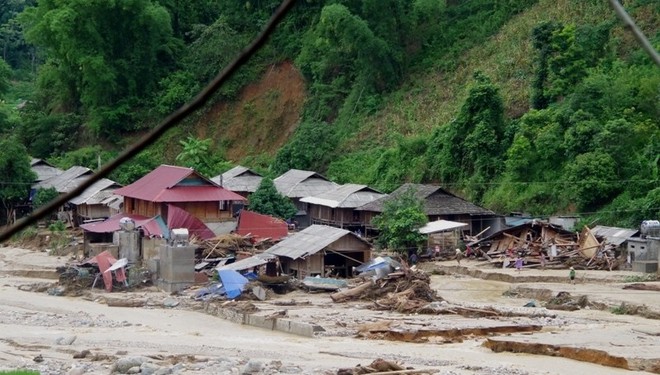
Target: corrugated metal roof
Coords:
[(67, 180), (297, 183), (261, 226), (308, 241), (96, 193), (440, 225), (239, 178), (613, 235), (248, 263), (436, 201), (345, 196), (113, 201), (168, 183), (43, 169)]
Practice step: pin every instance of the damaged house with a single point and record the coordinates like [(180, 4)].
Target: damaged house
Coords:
[(321, 250), (166, 198), (317, 250)]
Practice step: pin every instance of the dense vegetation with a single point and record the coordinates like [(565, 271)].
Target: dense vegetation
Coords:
[(530, 105)]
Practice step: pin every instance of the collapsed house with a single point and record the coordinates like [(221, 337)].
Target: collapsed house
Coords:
[(542, 244)]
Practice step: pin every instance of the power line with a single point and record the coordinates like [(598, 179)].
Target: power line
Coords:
[(174, 118)]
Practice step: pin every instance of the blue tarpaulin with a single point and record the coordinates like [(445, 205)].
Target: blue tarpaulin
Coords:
[(233, 282)]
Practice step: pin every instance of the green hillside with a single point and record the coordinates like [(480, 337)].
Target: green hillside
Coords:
[(546, 107)]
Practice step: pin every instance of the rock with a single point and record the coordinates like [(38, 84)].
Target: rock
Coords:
[(148, 368), (38, 358), (66, 340), (124, 364), (170, 302), (133, 370), (121, 352), (252, 367), (163, 371), (76, 371), (82, 354), (56, 291), (290, 370)]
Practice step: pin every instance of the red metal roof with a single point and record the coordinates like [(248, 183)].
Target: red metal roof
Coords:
[(261, 226), (169, 183), (150, 225)]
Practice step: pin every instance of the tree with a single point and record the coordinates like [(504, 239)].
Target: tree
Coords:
[(340, 54), (311, 147), (17, 175), (472, 146), (593, 178), (268, 201), (43, 196), (196, 154), (400, 221), (100, 53)]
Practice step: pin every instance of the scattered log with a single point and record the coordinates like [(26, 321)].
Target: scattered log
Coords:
[(351, 293), (640, 286)]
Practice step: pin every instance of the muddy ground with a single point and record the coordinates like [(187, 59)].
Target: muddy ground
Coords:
[(44, 332)]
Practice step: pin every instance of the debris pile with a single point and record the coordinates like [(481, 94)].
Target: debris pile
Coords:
[(405, 290), (543, 245), (381, 366)]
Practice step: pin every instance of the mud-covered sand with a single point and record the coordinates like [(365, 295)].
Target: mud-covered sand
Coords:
[(181, 340)]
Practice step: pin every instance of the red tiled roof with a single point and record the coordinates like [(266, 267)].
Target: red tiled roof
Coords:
[(166, 184), (261, 226)]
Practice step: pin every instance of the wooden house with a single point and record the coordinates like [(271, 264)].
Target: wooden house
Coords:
[(43, 169), (321, 250), (96, 202), (240, 180), (297, 184), (439, 204), (337, 207), (181, 187)]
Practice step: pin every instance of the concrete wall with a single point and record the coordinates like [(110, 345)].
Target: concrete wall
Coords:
[(94, 249), (275, 324), (176, 268), (644, 249), (151, 248)]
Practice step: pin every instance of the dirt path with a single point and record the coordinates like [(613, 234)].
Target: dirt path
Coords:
[(190, 342)]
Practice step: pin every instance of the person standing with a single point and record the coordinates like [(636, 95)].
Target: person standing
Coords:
[(459, 255), (571, 275), (519, 263)]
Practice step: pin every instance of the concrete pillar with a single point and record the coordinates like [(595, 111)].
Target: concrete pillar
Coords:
[(129, 245), (176, 267)]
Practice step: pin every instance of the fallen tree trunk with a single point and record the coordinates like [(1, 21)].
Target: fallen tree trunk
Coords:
[(350, 293)]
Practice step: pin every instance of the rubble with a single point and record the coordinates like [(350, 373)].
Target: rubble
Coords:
[(382, 367), (543, 245)]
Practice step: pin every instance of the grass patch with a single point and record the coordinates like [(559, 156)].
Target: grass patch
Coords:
[(20, 372)]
